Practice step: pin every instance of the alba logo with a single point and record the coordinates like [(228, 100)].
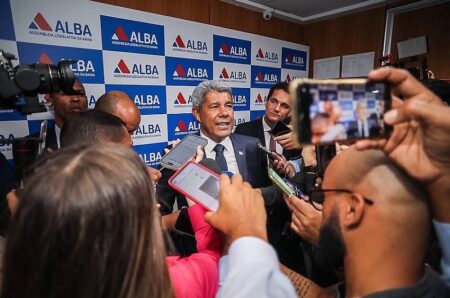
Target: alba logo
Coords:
[(181, 100), (266, 78), (194, 46), (289, 79), (294, 60), (259, 99), (81, 68), (62, 29), (233, 75), (232, 51), (151, 158), (266, 56), (149, 129), (238, 121), (239, 99), (146, 71), (191, 73), (138, 39), (146, 101), (182, 127)]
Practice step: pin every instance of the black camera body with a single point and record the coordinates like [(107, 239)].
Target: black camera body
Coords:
[(31, 79)]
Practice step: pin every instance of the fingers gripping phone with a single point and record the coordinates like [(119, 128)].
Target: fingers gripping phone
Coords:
[(325, 111), (198, 183), (181, 153)]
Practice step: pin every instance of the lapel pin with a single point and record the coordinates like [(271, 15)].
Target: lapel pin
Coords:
[(241, 152)]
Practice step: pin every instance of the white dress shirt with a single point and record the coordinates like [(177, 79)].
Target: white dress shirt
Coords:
[(252, 269), (228, 152), (267, 128)]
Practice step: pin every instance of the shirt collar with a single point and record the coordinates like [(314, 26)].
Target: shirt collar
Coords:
[(209, 148), (266, 127)]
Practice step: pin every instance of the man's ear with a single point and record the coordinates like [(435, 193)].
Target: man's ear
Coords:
[(196, 115), (353, 210)]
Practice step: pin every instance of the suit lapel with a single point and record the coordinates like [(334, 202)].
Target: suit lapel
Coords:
[(239, 153), (260, 131)]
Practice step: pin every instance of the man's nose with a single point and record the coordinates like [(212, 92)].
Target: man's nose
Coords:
[(223, 111)]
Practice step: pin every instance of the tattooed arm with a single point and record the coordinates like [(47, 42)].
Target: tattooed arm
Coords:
[(305, 287)]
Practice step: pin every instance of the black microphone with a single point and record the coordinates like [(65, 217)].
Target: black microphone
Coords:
[(211, 164)]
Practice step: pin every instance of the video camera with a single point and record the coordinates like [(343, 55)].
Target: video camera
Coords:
[(31, 79)]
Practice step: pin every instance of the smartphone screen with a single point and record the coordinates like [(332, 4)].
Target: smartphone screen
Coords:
[(337, 110), (181, 153), (280, 182), (197, 183)]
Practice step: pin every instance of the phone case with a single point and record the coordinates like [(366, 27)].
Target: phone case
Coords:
[(186, 194), (280, 183)]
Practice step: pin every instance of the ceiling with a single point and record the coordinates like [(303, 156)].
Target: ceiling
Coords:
[(308, 11)]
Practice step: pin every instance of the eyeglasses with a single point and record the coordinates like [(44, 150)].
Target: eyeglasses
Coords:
[(317, 196)]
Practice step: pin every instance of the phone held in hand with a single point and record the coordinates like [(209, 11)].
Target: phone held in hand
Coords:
[(278, 181), (279, 129), (182, 152), (325, 111), (198, 183)]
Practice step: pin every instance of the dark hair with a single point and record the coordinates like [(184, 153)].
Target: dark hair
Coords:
[(92, 127), (278, 86), (87, 226)]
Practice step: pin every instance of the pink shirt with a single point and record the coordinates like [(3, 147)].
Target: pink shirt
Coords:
[(197, 275)]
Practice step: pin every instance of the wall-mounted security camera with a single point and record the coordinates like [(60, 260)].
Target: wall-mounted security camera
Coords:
[(267, 15)]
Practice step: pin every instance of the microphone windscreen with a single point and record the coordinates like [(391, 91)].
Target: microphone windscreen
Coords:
[(211, 164)]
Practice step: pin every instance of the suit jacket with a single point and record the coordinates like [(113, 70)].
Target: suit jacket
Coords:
[(372, 122), (255, 129), (248, 158)]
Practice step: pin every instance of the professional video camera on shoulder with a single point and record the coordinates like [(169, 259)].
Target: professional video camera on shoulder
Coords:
[(31, 79)]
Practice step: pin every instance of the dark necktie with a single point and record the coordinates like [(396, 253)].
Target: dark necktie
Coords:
[(220, 158), (272, 144)]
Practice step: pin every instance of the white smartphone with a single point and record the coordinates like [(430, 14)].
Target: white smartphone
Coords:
[(182, 152), (198, 183)]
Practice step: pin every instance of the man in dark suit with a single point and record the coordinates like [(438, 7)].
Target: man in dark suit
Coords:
[(365, 125), (64, 106), (278, 108), (212, 106)]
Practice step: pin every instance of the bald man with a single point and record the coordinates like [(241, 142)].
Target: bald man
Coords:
[(376, 224), (120, 104)]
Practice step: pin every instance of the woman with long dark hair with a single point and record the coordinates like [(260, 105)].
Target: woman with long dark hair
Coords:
[(87, 226)]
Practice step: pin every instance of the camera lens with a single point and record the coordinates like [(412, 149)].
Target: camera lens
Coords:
[(46, 78), (66, 76)]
